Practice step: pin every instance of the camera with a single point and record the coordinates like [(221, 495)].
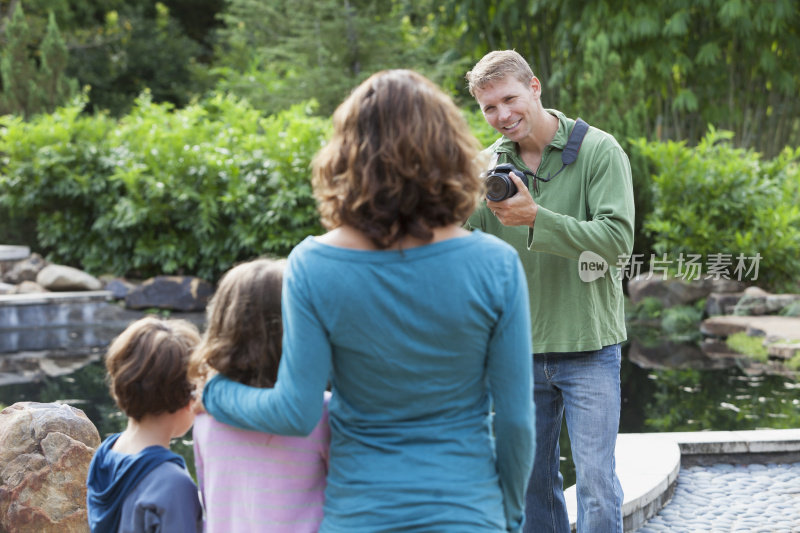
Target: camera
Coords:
[(499, 184)]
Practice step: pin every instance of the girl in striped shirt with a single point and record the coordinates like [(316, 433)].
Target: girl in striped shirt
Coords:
[(252, 481)]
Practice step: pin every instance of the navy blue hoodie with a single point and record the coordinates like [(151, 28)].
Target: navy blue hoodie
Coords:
[(113, 476)]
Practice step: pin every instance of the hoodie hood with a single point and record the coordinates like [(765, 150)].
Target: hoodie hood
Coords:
[(112, 476)]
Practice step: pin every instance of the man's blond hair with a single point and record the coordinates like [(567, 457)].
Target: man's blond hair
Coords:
[(496, 66)]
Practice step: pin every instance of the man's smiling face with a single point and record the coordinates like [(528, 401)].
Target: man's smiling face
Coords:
[(509, 106)]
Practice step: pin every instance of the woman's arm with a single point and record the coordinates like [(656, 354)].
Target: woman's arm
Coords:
[(294, 405), (509, 369)]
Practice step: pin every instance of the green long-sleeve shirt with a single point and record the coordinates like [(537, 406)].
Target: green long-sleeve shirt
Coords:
[(588, 207)]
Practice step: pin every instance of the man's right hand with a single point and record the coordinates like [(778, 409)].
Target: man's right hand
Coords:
[(518, 210)]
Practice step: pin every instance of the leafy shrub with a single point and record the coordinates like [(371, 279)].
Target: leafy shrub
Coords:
[(717, 199), (745, 344), (161, 190), (682, 322), (648, 309)]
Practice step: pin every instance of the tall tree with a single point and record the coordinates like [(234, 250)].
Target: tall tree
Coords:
[(55, 87), (279, 53), (730, 63), (17, 67), (29, 86)]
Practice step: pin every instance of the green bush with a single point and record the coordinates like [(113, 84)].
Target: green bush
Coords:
[(717, 199), (745, 344), (162, 190)]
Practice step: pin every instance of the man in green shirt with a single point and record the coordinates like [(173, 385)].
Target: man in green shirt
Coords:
[(572, 227)]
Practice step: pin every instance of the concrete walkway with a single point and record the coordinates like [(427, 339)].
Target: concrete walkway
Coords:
[(649, 467)]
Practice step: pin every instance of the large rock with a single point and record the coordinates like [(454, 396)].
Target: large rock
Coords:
[(670, 355), (774, 328), (25, 270), (177, 293), (722, 303), (45, 451), (65, 278), (119, 287), (29, 287), (756, 301), (677, 291)]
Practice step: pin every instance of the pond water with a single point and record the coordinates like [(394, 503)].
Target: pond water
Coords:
[(653, 400)]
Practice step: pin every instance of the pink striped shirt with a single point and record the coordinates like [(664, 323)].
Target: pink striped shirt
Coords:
[(252, 481)]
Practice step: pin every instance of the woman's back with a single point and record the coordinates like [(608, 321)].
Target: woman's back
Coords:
[(412, 335)]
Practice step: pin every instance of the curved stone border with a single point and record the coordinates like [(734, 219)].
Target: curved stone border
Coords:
[(648, 464)]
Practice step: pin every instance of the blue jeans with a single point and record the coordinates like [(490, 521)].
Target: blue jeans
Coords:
[(585, 386)]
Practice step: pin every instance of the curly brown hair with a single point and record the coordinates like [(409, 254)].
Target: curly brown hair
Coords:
[(496, 66), (402, 161), (147, 366), (243, 334)]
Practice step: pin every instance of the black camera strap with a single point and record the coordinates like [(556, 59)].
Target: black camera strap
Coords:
[(568, 156)]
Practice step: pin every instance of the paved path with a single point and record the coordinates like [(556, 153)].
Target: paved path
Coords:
[(751, 482), (725, 497)]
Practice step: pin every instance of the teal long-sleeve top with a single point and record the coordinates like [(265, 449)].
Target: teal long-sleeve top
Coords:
[(428, 354)]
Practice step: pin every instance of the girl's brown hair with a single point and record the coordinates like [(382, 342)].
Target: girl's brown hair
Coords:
[(147, 365), (243, 333), (402, 161)]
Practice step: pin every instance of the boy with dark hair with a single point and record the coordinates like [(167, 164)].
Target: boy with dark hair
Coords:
[(135, 482)]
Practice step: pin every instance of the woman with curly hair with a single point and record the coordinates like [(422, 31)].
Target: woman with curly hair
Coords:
[(420, 327)]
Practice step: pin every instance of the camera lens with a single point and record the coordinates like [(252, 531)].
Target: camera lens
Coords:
[(499, 187)]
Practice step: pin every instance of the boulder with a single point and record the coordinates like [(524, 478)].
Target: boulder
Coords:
[(25, 270), (783, 350), (29, 287), (776, 303), (65, 278), (119, 288), (669, 355), (722, 303), (752, 302), (672, 291), (177, 293), (677, 291), (45, 451), (772, 327), (757, 301)]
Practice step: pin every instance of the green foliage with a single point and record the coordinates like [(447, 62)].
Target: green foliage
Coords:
[(682, 322), (133, 51), (717, 199), (162, 190), (277, 54), (731, 63), (648, 309), (485, 134), (29, 86), (750, 346), (662, 71)]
